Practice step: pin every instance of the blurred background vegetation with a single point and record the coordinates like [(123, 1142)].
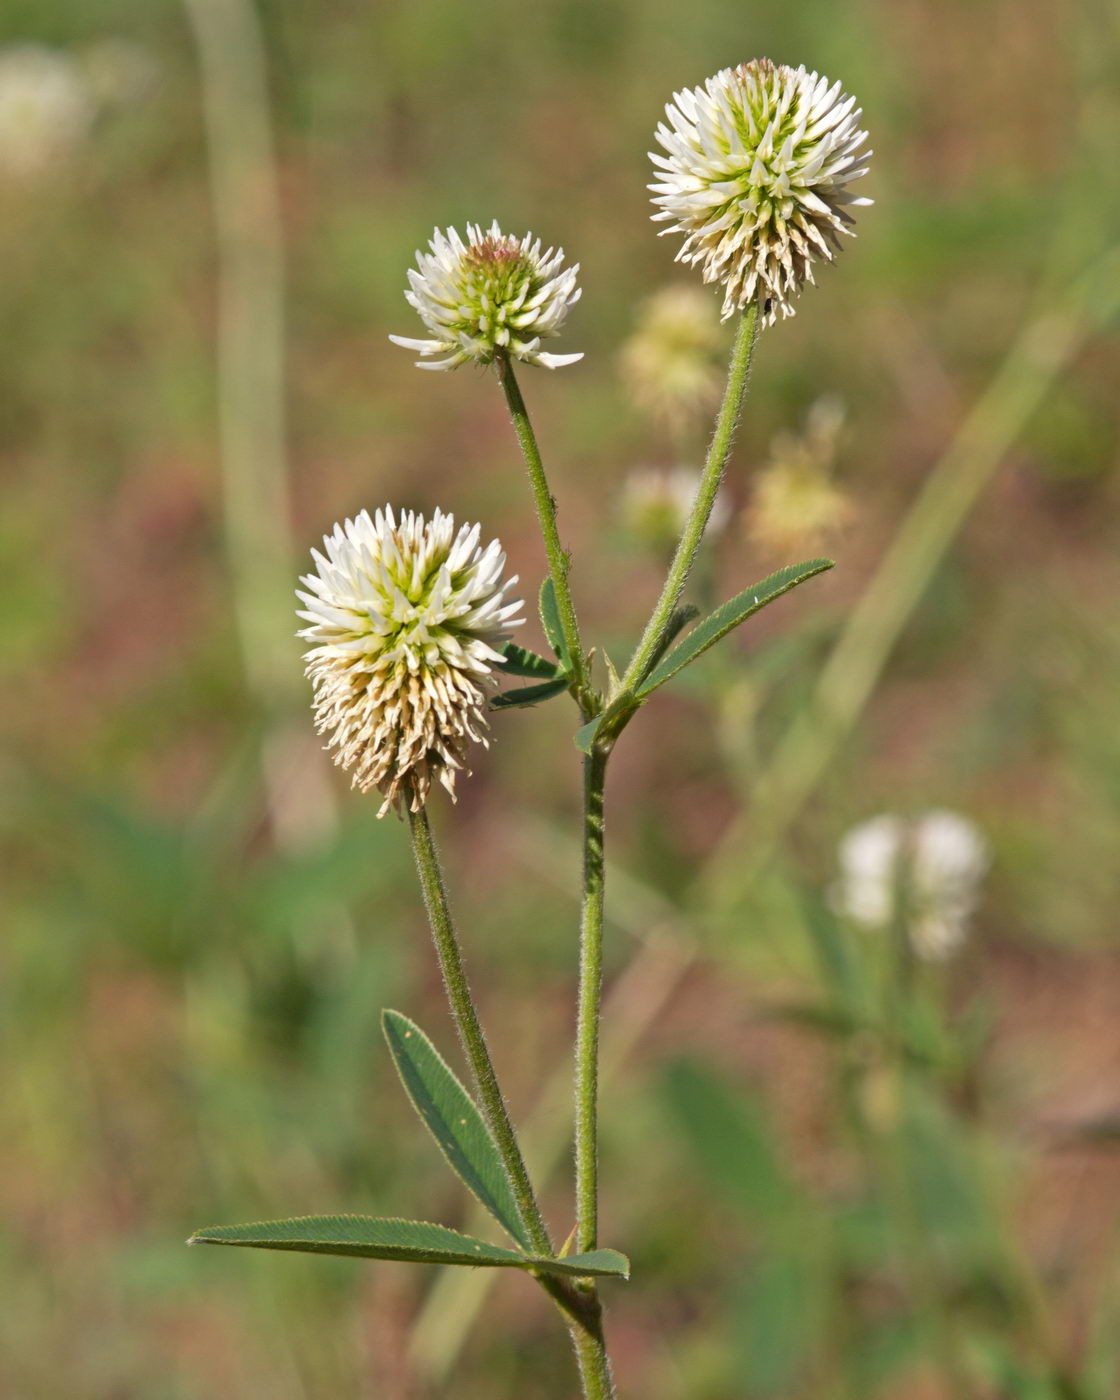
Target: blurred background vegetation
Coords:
[(837, 1174)]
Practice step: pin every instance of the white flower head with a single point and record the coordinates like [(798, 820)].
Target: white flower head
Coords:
[(406, 621), (756, 173), (489, 294), (938, 860), (46, 108), (657, 501)]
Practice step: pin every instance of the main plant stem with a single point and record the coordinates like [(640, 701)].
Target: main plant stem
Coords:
[(738, 375), (578, 1301), (590, 988), (590, 1346), (546, 515), (470, 1030)]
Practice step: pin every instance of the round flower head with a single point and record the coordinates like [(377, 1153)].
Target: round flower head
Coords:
[(672, 363), (796, 505), (46, 109), (756, 173), (938, 860), (656, 502), (490, 294), (406, 621)]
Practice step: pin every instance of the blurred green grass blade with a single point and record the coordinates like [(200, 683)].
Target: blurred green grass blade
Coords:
[(941, 1173), (550, 621), (832, 1022), (781, 1320), (732, 1143), (528, 695), (1009, 1373), (407, 1241), (729, 616), (883, 1351), (520, 661), (451, 1117), (841, 970)]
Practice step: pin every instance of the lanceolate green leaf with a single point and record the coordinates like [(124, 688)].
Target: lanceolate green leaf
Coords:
[(411, 1241), (453, 1120), (727, 617), (363, 1237), (528, 694), (677, 623), (550, 621), (520, 661)]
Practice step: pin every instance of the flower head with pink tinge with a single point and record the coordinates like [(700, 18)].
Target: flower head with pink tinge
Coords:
[(488, 295)]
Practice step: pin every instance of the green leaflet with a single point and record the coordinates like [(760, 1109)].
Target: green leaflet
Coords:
[(520, 661), (715, 626), (727, 617), (528, 694), (680, 619), (550, 621), (453, 1120), (412, 1241), (599, 1263)]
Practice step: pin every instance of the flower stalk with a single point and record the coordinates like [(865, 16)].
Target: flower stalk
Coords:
[(578, 1301), (738, 377), (558, 560), (470, 1028)]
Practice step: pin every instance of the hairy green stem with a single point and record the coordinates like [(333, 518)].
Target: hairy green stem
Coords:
[(578, 1301), (470, 1031), (591, 1354), (546, 514), (584, 1315), (738, 375), (590, 1345), (590, 990)]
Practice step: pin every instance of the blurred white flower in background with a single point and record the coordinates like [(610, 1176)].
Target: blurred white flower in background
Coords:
[(935, 862), (796, 507), (672, 364), (656, 502), (47, 107), (50, 99)]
